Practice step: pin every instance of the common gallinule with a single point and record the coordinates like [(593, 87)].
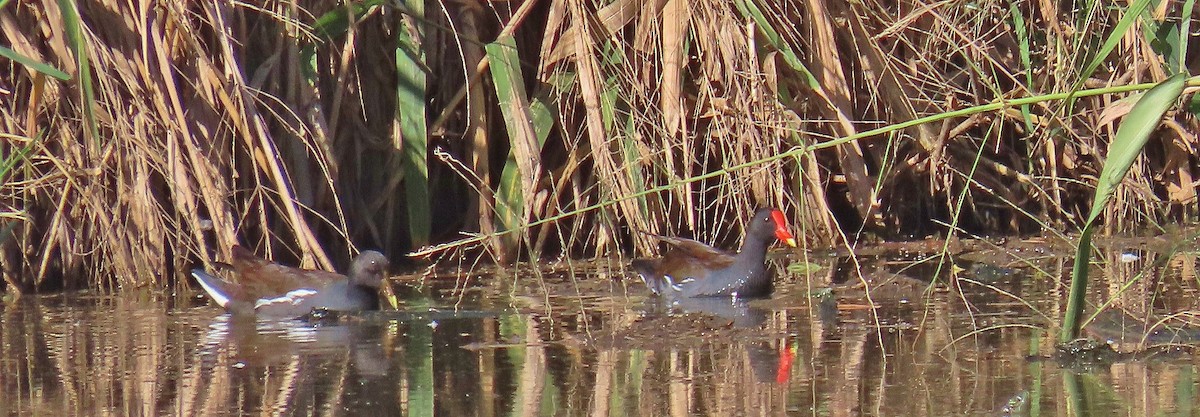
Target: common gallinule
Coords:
[(694, 269), (266, 288)]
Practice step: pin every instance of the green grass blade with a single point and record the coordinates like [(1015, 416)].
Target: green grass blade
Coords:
[(1131, 15), (634, 165), (7, 165), (34, 64), (528, 124), (336, 22), (510, 90), (509, 200), (1167, 38), (410, 100), (1185, 27), (330, 25), (1022, 35), (1079, 279), (78, 45), (18, 155), (1131, 137), (541, 113), (750, 10)]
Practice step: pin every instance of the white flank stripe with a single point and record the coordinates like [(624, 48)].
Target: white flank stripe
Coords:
[(203, 277), (292, 297), (671, 282)]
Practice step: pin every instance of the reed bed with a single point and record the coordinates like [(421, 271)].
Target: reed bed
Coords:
[(527, 130)]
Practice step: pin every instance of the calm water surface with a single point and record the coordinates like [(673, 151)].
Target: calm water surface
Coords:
[(585, 339)]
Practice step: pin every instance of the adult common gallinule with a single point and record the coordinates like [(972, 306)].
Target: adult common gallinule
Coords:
[(270, 289), (694, 269)]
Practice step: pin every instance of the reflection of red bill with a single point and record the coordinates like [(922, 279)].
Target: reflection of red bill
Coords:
[(784, 371)]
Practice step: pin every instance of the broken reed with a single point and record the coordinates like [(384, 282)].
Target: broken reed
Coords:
[(310, 132)]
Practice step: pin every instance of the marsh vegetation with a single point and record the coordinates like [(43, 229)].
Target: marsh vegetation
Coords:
[(532, 130)]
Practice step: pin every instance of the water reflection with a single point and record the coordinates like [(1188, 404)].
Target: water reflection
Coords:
[(873, 339), (242, 366)]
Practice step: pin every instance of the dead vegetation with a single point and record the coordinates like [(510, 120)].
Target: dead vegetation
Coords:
[(309, 131)]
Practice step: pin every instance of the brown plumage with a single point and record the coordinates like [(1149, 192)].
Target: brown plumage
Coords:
[(267, 288)]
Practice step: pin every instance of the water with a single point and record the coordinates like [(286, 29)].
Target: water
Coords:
[(587, 340)]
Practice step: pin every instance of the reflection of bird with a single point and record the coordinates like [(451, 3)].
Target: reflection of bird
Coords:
[(269, 289), (739, 312), (259, 343), (694, 269), (767, 363)]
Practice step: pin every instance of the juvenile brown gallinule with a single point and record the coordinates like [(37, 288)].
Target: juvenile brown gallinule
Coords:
[(269, 289), (694, 269)]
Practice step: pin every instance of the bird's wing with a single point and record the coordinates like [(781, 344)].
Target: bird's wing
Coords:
[(696, 252), (263, 278)]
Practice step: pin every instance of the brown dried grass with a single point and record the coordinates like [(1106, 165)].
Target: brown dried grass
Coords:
[(210, 133)]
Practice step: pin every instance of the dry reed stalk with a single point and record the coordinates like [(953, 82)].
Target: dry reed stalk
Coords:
[(480, 161), (836, 90), (590, 83)]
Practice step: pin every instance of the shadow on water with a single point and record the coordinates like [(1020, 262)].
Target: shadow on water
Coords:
[(895, 333)]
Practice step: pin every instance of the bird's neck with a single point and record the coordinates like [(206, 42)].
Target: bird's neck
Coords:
[(364, 292), (753, 250)]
